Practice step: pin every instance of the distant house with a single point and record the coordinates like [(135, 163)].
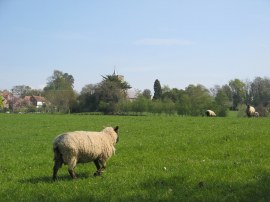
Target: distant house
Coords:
[(132, 94), (37, 101)]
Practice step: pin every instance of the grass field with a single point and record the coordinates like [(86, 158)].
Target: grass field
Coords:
[(158, 158)]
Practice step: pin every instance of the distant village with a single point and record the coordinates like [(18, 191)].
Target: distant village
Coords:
[(17, 103), (12, 103)]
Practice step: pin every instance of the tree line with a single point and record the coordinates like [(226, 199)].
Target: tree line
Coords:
[(110, 96)]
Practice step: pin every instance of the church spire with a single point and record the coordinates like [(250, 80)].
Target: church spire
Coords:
[(114, 71), (120, 77)]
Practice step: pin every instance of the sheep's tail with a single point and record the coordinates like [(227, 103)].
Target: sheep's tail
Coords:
[(57, 155)]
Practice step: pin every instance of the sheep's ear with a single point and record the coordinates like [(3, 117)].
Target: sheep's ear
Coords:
[(116, 129)]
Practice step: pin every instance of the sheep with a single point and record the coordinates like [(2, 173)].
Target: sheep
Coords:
[(210, 113), (250, 111), (256, 114), (84, 146)]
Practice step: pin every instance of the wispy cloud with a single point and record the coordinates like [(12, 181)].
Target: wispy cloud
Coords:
[(163, 42)]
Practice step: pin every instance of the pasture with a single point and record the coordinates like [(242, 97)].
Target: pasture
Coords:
[(158, 158)]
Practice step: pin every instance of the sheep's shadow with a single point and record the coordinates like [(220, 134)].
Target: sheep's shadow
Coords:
[(48, 179)]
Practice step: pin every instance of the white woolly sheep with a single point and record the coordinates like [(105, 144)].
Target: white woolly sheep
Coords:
[(210, 113), (82, 147), (250, 111), (256, 114)]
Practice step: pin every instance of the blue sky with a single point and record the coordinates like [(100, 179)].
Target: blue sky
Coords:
[(179, 42)]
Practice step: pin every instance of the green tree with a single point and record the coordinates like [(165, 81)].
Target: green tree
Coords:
[(259, 95), (1, 102), (147, 93), (222, 101), (110, 92), (59, 91), (118, 81), (168, 106), (55, 81), (260, 91), (87, 99), (180, 98), (200, 99), (157, 90), (173, 94), (124, 106), (140, 105), (183, 104), (238, 93), (21, 90)]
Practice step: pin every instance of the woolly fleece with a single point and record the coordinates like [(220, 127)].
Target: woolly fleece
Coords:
[(210, 113), (84, 146), (250, 111)]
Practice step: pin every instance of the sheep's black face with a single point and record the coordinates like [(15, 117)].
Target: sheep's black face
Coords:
[(116, 130)]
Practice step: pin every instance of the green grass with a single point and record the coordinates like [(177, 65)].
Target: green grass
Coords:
[(158, 158)]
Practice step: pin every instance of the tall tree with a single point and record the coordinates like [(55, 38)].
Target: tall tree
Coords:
[(238, 92), (157, 90), (222, 101), (147, 93), (118, 81), (260, 91), (87, 99), (111, 91), (183, 103), (59, 90), (21, 90), (55, 81), (173, 94), (199, 98)]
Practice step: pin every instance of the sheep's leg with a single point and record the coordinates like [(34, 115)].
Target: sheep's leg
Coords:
[(97, 166), (71, 165), (57, 165), (103, 166), (72, 174)]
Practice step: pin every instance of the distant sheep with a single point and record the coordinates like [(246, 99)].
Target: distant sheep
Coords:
[(250, 111), (210, 113), (82, 147), (256, 114)]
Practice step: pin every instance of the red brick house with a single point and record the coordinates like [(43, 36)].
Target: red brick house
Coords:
[(37, 101)]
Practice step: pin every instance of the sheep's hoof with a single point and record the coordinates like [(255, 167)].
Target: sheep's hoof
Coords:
[(97, 174)]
